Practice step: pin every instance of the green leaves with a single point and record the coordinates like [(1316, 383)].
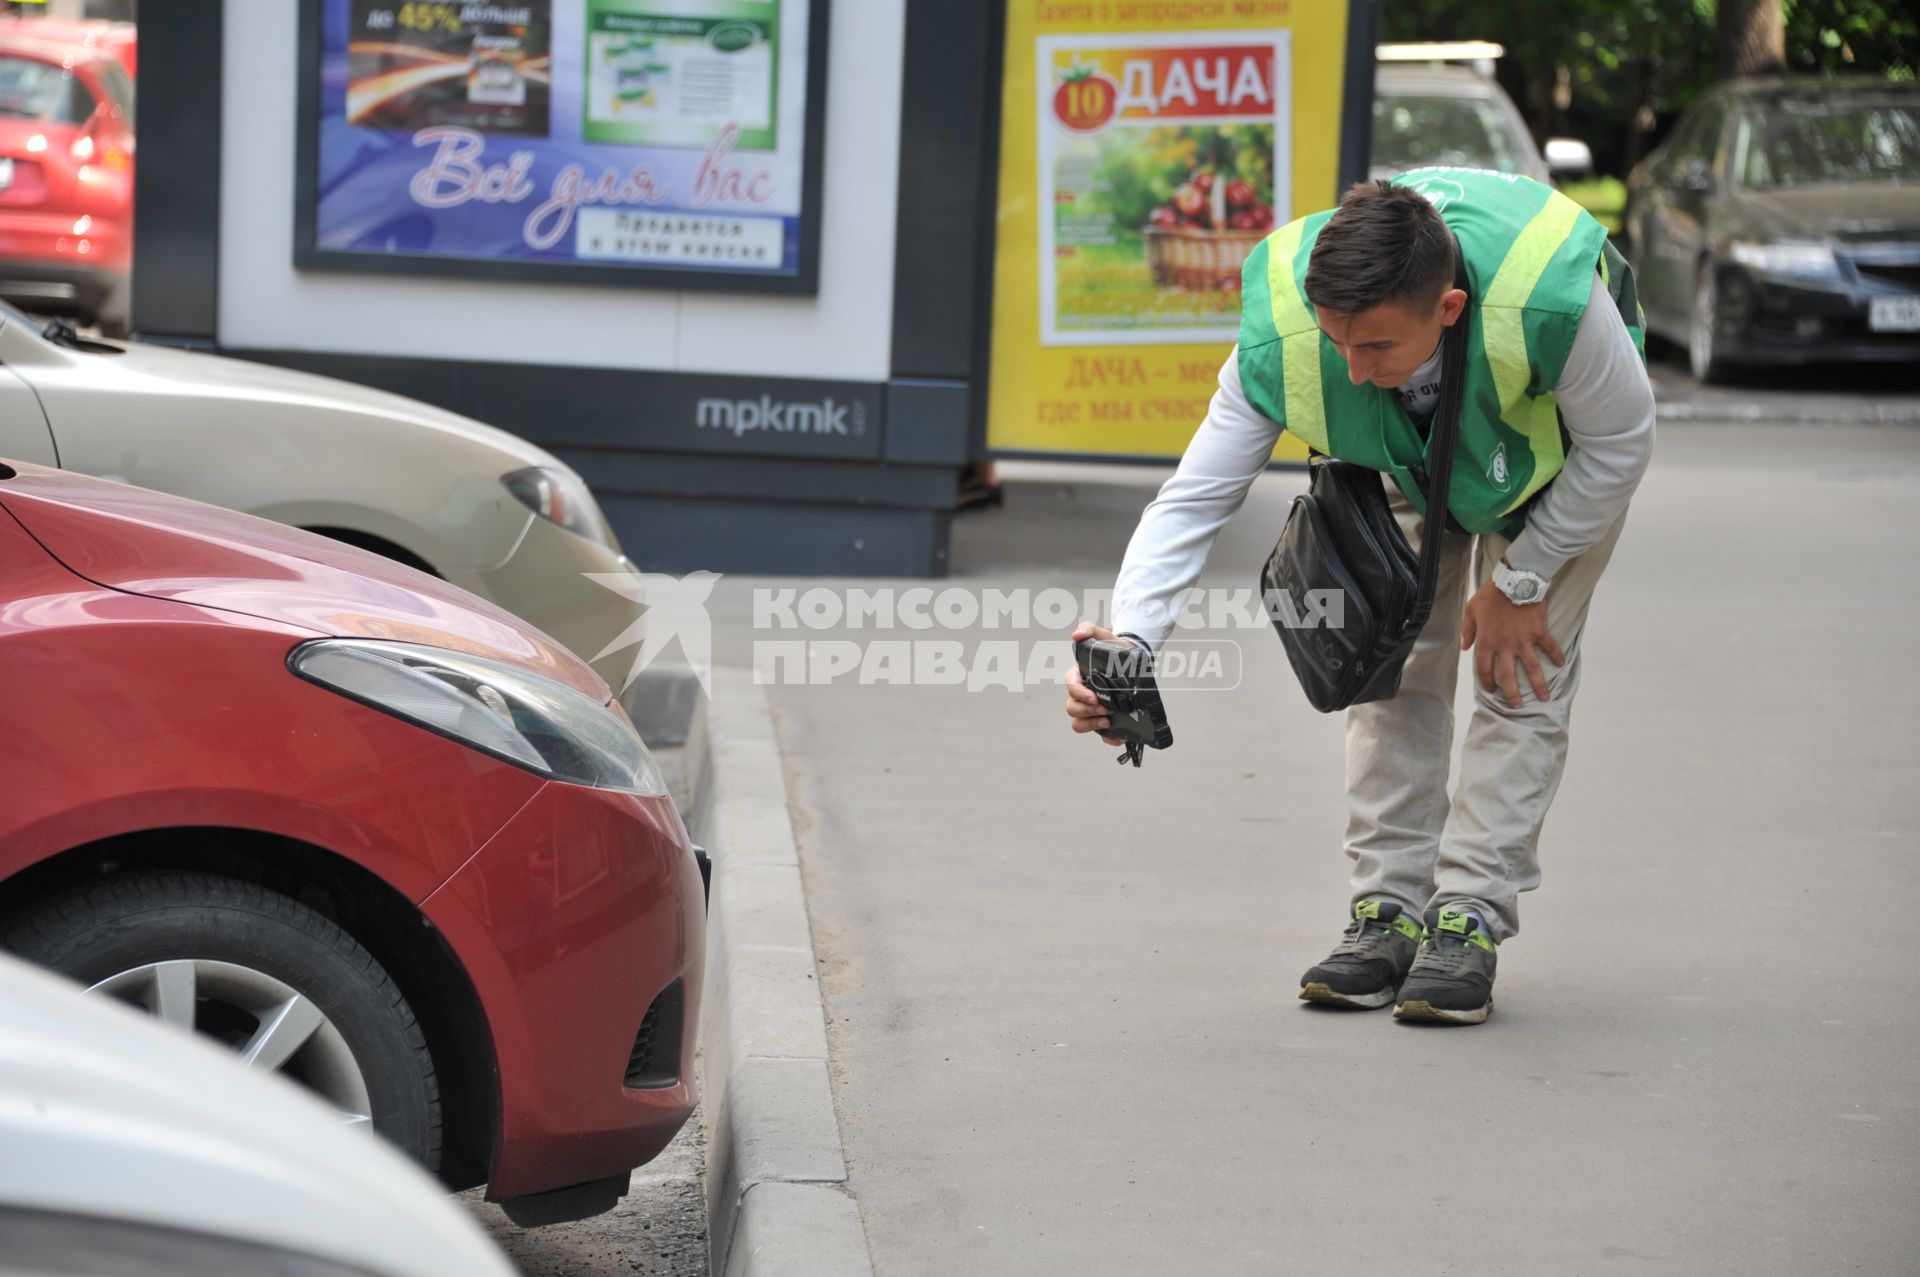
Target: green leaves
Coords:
[(1841, 36), (1632, 62)]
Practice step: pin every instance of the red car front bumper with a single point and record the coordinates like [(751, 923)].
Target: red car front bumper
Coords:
[(582, 914)]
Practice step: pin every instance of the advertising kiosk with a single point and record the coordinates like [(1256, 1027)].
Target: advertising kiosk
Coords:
[(771, 274)]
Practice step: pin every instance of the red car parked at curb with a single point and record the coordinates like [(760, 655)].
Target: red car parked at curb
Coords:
[(66, 176), (372, 832)]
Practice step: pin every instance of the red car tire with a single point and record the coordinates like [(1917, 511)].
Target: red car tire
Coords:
[(245, 958)]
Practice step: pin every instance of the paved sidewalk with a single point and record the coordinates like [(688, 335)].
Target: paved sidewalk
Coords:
[(1061, 993)]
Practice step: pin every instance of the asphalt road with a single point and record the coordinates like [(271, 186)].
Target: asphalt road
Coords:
[(1062, 993)]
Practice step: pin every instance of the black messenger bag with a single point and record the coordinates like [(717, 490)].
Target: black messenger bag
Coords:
[(1356, 595)]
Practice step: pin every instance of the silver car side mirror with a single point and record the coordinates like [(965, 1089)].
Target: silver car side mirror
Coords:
[(1568, 157)]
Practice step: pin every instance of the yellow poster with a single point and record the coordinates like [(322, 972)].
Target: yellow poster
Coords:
[(1146, 148)]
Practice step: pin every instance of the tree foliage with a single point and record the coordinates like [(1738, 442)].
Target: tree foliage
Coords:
[(1843, 36), (1617, 72)]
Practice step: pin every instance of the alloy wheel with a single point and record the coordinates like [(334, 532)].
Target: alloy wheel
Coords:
[(267, 1022)]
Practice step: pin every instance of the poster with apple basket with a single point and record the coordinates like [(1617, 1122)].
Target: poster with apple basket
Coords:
[(1202, 237), (1163, 162)]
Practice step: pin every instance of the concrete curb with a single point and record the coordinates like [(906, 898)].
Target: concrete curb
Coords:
[(776, 1177)]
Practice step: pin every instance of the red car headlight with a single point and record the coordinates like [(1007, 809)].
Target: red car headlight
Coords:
[(509, 713)]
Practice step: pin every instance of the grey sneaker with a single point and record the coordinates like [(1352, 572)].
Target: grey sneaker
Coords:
[(1452, 978), (1367, 966)]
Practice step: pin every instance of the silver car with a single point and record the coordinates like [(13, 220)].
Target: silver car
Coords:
[(471, 504), (132, 1147), (1437, 113)]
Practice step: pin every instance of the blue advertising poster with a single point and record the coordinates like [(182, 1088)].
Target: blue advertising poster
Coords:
[(656, 142)]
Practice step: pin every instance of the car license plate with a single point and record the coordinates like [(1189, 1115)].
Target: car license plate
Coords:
[(6, 171), (1894, 314)]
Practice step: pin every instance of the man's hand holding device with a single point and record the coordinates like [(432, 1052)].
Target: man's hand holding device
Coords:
[(1110, 690)]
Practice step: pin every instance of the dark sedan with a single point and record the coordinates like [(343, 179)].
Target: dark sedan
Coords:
[(1780, 224)]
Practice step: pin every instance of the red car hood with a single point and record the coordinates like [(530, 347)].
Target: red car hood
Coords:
[(166, 547)]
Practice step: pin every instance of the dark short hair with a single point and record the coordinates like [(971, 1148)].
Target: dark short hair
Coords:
[(1385, 243)]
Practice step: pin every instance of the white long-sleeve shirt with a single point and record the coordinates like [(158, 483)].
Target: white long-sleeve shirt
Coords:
[(1605, 400)]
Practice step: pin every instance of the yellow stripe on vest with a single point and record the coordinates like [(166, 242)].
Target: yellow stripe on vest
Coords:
[(1504, 334), (1299, 341), (1532, 249), (1306, 399), (1290, 312)]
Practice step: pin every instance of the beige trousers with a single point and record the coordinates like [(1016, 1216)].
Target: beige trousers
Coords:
[(1478, 849)]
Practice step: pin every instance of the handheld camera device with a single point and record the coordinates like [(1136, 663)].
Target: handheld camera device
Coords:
[(1121, 675)]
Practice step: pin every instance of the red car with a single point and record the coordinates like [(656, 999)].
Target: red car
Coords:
[(66, 177), (121, 39), (363, 827)]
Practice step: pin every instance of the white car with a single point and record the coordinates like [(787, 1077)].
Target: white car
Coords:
[(1430, 109), (471, 504), (135, 1148)]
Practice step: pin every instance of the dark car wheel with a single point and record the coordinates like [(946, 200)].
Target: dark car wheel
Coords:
[(263, 974), (1704, 342)]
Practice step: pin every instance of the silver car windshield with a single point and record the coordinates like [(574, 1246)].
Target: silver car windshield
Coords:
[(1812, 144), (1412, 132)]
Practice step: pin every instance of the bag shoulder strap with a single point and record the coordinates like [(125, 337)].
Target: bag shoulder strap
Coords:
[(1446, 429)]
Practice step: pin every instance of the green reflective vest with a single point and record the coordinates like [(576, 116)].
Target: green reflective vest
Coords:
[(1531, 254)]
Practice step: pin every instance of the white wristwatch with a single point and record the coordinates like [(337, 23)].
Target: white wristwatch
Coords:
[(1518, 584)]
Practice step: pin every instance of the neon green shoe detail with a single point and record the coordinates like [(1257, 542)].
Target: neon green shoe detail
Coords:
[(1461, 924), (1370, 910)]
